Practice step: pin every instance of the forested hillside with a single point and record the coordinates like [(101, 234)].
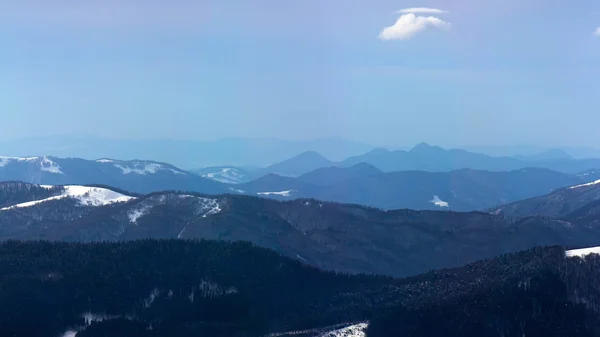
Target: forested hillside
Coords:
[(330, 236), (208, 288), (535, 293)]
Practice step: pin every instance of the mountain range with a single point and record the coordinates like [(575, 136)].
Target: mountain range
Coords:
[(140, 176), (424, 157), (331, 236), (189, 154), (241, 152), (461, 190)]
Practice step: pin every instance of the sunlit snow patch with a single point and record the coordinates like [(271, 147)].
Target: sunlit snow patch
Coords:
[(50, 166), (86, 196), (583, 251), (282, 193), (139, 167), (439, 202), (46, 164), (588, 184), (206, 207), (5, 160), (135, 214), (357, 330), (225, 175)]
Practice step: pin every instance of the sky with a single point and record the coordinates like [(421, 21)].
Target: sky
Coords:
[(378, 71)]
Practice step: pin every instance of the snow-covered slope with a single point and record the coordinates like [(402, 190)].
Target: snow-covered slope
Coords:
[(142, 167), (84, 195), (225, 174), (139, 176), (45, 164), (586, 184), (583, 252), (281, 193), (439, 202), (357, 330)]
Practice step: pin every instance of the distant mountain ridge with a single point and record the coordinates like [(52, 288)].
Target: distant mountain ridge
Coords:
[(460, 190), (425, 157), (140, 176), (559, 203), (331, 175), (300, 164), (188, 154), (331, 236)]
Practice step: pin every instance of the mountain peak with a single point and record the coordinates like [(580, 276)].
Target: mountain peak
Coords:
[(379, 151), (313, 154), (424, 147), (300, 164)]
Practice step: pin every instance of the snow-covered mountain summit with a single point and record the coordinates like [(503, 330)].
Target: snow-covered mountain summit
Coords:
[(139, 176), (83, 195)]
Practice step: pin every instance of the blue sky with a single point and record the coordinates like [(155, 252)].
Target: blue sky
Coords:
[(468, 72)]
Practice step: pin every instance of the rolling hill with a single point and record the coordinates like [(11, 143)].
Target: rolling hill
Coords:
[(172, 288), (461, 190), (559, 203), (300, 164), (331, 236), (138, 176), (332, 175)]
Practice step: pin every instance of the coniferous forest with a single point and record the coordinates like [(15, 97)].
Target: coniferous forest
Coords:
[(210, 288)]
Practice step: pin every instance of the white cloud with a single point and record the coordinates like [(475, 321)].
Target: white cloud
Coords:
[(597, 32), (421, 10), (408, 25)]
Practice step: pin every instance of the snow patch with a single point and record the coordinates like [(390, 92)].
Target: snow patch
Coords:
[(86, 196), (48, 187), (46, 164), (439, 202), (282, 193), (143, 168), (206, 207), (582, 252), (50, 166), (105, 161), (213, 204), (135, 214), (357, 330), (91, 317), (151, 298), (226, 175), (588, 184), (5, 160), (237, 190)]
